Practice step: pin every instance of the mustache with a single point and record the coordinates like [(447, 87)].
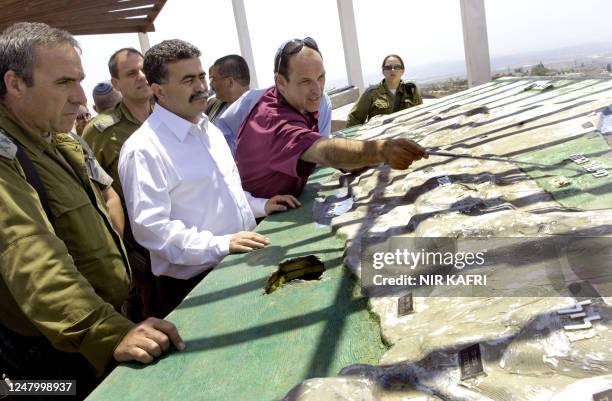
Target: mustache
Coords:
[(199, 95)]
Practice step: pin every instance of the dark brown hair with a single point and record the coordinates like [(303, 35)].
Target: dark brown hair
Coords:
[(392, 55), (112, 61)]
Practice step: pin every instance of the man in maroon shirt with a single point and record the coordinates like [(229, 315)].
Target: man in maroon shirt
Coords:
[(278, 146)]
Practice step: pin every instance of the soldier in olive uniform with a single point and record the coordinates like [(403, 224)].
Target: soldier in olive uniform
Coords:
[(391, 95), (106, 134), (63, 269)]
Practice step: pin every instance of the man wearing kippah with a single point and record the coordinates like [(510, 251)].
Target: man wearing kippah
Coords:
[(105, 97)]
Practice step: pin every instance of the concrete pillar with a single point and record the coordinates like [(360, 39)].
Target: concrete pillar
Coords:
[(143, 38), (352, 58), (475, 42), (244, 39)]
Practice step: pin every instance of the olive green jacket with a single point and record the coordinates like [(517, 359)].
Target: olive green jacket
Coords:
[(67, 277), (378, 100), (106, 133)]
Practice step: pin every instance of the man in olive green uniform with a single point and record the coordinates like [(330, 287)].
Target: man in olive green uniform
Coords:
[(63, 269), (378, 99), (106, 134)]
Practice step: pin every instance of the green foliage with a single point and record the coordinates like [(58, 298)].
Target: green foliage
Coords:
[(540, 70)]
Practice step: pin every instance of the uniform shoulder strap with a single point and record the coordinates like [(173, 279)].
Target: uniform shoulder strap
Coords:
[(410, 88)]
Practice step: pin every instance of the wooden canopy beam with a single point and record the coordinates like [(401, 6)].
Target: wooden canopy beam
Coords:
[(85, 17)]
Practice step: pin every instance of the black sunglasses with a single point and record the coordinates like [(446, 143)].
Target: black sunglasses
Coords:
[(390, 67), (294, 46)]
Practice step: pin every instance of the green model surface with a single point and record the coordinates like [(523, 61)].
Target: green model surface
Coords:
[(582, 190), (245, 345)]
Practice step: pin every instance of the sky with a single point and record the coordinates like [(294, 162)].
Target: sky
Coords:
[(422, 32)]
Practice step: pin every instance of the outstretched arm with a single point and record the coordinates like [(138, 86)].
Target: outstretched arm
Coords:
[(351, 154)]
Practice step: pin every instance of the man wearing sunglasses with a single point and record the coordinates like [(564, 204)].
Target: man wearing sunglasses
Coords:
[(83, 117), (229, 79), (279, 145)]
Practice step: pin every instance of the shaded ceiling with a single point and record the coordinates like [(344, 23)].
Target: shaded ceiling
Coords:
[(84, 17)]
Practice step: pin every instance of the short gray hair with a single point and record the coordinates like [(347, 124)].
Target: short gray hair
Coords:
[(17, 48)]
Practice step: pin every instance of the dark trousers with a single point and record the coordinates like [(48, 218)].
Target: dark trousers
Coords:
[(152, 296), (142, 298), (34, 358), (172, 291)]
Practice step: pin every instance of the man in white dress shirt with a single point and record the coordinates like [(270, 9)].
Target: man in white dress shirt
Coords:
[(182, 189)]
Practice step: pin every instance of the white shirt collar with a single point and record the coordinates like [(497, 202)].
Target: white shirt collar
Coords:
[(178, 125)]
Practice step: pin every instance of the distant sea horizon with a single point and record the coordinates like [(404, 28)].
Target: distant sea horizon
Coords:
[(598, 54)]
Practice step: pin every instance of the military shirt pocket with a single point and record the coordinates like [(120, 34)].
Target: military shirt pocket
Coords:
[(77, 221), (112, 149)]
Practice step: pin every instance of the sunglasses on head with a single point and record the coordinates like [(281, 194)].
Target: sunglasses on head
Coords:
[(294, 46), (83, 116), (393, 67)]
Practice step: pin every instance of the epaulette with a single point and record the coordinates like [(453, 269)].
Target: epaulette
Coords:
[(61, 137), (66, 138), (106, 120), (371, 87), (8, 149), (409, 87)]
